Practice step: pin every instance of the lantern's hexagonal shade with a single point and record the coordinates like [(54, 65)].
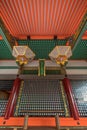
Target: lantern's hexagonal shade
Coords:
[(60, 54), (23, 54)]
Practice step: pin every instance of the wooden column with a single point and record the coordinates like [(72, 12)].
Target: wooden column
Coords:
[(12, 99), (69, 93)]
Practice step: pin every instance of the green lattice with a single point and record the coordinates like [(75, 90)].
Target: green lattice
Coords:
[(4, 51), (42, 48), (80, 51), (35, 72)]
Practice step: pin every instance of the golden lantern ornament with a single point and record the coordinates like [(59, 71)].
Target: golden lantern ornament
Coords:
[(60, 54), (23, 54)]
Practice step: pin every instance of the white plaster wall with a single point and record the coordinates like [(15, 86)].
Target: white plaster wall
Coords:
[(76, 71), (77, 63), (71, 63), (8, 63), (34, 63), (8, 71), (48, 63)]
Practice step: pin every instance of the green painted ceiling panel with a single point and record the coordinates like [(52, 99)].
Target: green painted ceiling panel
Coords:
[(80, 51), (56, 72), (4, 51), (35, 72), (42, 48)]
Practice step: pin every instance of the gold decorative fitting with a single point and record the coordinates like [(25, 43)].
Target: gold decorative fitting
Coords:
[(60, 54), (23, 54)]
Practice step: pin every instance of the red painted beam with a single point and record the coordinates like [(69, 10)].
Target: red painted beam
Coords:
[(43, 121), (69, 93), (13, 98)]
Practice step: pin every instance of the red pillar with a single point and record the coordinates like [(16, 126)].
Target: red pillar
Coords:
[(69, 93), (13, 98)]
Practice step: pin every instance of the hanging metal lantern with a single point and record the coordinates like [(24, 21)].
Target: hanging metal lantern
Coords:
[(60, 54), (23, 54)]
